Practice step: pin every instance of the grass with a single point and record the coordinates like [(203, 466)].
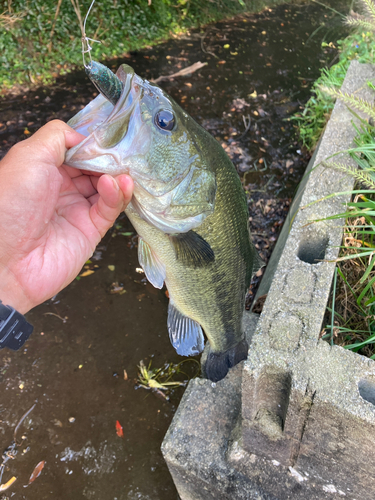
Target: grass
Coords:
[(311, 122), (351, 311), (40, 39), (350, 316), (352, 304)]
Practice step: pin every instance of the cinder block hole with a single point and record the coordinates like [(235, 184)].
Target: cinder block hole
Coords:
[(272, 392), (312, 249), (367, 390)]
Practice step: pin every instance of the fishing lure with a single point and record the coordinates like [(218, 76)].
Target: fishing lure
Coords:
[(105, 81)]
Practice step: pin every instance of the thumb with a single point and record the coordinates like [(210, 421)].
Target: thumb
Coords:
[(46, 147)]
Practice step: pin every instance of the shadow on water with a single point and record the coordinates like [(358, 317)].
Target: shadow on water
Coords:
[(259, 67)]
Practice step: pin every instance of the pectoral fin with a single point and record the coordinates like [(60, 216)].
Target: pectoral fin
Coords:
[(191, 249), (153, 268), (186, 335)]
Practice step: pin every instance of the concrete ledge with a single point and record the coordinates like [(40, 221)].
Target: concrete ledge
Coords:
[(196, 444), (303, 424)]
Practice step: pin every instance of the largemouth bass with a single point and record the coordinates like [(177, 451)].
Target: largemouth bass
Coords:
[(188, 208)]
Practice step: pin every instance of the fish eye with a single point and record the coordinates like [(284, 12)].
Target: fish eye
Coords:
[(164, 119)]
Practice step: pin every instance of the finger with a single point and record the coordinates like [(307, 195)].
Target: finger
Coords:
[(94, 181), (126, 185), (90, 172), (76, 172), (93, 199), (72, 172), (109, 205), (65, 135), (50, 143), (84, 186)]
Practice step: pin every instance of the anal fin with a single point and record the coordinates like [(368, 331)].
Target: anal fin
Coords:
[(191, 249), (154, 269), (186, 335)]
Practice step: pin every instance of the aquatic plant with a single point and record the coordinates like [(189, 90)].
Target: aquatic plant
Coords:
[(163, 379)]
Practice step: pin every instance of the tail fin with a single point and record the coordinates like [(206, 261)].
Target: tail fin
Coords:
[(216, 365)]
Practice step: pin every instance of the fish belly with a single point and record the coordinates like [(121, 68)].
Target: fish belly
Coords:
[(212, 295)]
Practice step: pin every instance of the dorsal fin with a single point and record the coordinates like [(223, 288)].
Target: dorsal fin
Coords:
[(186, 335), (191, 249), (154, 269)]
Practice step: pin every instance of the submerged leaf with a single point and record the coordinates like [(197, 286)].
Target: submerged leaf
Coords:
[(36, 472), (119, 429), (8, 484), (87, 273)]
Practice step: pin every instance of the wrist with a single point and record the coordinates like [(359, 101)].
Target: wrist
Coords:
[(11, 292)]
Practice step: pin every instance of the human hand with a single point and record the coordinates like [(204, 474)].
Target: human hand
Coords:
[(51, 216)]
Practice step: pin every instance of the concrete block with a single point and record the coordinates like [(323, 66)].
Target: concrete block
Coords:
[(301, 399), (196, 443), (298, 422)]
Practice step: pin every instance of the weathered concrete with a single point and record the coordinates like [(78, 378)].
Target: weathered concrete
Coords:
[(301, 400), (304, 427), (196, 444)]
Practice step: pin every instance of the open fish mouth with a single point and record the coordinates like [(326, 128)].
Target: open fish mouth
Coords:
[(133, 127), (112, 124)]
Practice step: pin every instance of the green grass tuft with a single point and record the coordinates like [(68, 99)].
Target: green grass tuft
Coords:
[(312, 120)]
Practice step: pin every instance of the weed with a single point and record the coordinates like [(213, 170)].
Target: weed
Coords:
[(364, 156), (163, 379), (358, 45), (352, 302), (351, 311)]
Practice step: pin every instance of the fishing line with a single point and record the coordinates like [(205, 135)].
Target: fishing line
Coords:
[(85, 40), (86, 47)]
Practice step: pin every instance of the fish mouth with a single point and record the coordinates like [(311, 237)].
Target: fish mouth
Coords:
[(111, 130), (125, 71)]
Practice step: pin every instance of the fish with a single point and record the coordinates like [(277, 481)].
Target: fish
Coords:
[(188, 208)]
